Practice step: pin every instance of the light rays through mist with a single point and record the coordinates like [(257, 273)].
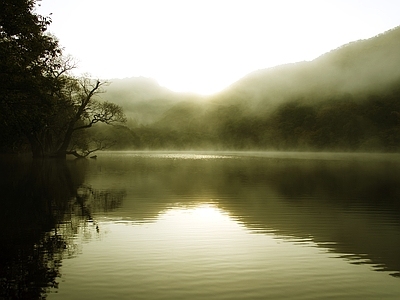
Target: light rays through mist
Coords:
[(204, 46)]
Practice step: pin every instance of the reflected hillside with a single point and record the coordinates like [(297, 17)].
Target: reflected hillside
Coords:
[(350, 208), (43, 203), (345, 203)]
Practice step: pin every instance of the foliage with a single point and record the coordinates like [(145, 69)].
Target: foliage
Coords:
[(84, 111), (345, 122), (26, 54), (41, 104)]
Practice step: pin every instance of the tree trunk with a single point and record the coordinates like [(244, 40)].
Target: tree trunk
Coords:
[(62, 150), (36, 147)]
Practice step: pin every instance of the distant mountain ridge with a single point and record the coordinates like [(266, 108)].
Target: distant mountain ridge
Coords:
[(363, 67), (143, 99)]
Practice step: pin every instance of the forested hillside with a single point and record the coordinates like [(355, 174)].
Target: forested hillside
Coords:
[(347, 99)]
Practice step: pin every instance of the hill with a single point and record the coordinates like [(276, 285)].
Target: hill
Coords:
[(359, 68), (347, 99), (143, 99)]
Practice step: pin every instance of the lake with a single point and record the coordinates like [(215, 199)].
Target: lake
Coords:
[(201, 225)]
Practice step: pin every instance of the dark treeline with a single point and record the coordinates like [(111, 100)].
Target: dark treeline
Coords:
[(344, 123), (44, 109)]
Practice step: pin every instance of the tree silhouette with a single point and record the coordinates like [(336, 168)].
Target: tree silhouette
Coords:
[(41, 103)]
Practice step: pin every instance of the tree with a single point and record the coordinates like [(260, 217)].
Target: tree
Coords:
[(40, 102), (84, 112), (26, 54), (75, 108)]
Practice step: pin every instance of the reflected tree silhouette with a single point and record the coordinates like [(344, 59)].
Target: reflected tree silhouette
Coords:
[(41, 208)]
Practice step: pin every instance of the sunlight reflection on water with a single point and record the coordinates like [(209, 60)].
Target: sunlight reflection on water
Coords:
[(199, 251), (210, 225)]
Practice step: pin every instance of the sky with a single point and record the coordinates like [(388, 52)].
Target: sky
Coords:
[(204, 46)]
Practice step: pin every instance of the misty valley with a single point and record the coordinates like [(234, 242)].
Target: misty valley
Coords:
[(344, 100), (284, 185), (201, 225)]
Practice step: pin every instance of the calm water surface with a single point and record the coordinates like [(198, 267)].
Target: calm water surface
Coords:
[(201, 225)]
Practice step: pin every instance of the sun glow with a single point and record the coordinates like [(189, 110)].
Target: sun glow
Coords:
[(204, 46)]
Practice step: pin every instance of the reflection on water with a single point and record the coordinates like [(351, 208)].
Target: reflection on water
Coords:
[(163, 225), (43, 205)]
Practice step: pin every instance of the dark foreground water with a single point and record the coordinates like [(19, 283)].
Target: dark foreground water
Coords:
[(206, 225)]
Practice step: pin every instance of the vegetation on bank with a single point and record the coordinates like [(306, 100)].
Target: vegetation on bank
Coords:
[(43, 108)]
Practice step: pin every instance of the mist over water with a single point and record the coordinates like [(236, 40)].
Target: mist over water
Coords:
[(179, 225)]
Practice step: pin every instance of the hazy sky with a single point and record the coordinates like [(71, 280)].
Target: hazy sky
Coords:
[(204, 46)]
